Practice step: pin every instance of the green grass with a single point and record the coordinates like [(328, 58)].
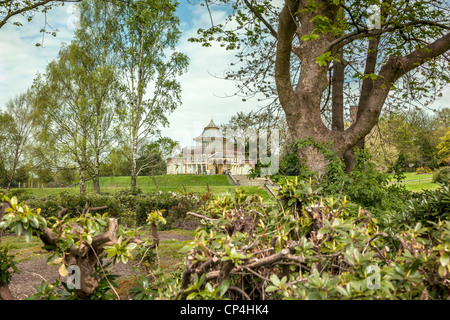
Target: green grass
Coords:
[(198, 184), (417, 182), (163, 181), (23, 250), (413, 182), (414, 176)]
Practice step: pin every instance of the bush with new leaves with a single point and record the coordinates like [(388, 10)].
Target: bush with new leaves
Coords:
[(306, 247), (442, 175), (86, 241)]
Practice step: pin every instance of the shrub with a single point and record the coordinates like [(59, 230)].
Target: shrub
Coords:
[(75, 242), (429, 206), (423, 170), (7, 265), (176, 206), (442, 175), (304, 249), (75, 203)]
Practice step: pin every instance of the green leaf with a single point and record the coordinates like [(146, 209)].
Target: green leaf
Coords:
[(342, 291), (18, 229), (275, 280), (28, 235), (444, 259), (14, 202), (224, 287), (271, 288)]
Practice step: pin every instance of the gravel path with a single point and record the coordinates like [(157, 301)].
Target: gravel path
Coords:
[(34, 270)]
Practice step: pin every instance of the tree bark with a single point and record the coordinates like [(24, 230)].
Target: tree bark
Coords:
[(82, 182), (134, 163), (5, 293), (302, 103)]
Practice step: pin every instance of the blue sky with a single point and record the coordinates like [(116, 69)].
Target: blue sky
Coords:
[(204, 97)]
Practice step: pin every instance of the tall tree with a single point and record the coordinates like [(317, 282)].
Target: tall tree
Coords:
[(148, 34), (16, 133), (69, 106), (98, 26), (313, 49), (79, 92)]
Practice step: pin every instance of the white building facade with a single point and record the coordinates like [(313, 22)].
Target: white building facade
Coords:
[(212, 154)]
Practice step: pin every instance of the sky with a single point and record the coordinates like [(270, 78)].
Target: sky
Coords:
[(205, 95)]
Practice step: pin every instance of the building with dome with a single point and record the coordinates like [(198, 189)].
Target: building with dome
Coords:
[(212, 154)]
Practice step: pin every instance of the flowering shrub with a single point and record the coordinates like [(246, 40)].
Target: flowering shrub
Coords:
[(422, 170)]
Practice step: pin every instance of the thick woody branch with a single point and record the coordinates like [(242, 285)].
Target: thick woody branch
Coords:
[(359, 34), (261, 18), (286, 31), (395, 68), (200, 216)]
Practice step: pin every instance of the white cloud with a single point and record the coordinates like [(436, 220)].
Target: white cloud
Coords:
[(206, 95), (21, 59)]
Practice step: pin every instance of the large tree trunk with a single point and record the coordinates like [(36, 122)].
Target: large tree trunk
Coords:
[(96, 182), (302, 102), (313, 159)]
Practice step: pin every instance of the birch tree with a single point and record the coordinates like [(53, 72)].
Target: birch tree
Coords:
[(150, 63), (16, 133)]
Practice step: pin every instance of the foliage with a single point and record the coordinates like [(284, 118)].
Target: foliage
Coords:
[(444, 146), (422, 170), (69, 239), (397, 168), (147, 33), (425, 207), (364, 185), (318, 249), (7, 265), (20, 218), (175, 204), (442, 175)]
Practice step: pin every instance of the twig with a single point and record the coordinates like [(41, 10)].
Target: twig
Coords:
[(201, 216), (104, 273), (242, 292)]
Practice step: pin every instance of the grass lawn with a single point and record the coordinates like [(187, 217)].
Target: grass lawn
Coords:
[(418, 182), (197, 184), (23, 250), (413, 182), (409, 176)]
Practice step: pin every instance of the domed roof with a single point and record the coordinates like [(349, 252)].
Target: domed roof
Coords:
[(211, 131), (211, 125)]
